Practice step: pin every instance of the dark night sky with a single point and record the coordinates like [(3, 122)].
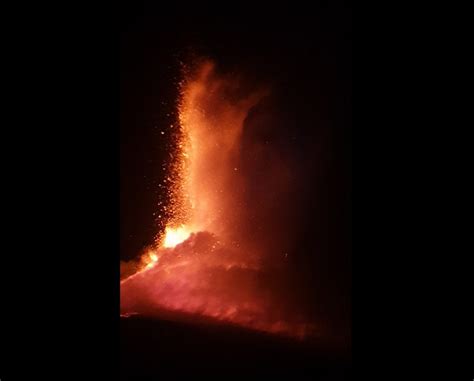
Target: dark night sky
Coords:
[(306, 56)]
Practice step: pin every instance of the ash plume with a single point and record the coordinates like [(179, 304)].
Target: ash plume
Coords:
[(238, 193)]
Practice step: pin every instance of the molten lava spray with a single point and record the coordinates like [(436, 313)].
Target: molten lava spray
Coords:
[(202, 265)]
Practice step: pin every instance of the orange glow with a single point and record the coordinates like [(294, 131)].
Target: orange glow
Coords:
[(150, 260), (211, 129), (201, 269), (174, 236)]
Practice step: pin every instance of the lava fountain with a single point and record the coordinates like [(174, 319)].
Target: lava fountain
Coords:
[(201, 266)]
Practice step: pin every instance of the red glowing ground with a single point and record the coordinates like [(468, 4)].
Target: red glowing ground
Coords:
[(202, 277)]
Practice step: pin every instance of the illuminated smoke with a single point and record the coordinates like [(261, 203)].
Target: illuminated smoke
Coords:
[(205, 264)]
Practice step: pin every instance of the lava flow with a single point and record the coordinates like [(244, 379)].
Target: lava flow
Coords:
[(201, 266)]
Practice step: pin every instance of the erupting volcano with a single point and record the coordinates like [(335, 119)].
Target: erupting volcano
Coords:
[(203, 264)]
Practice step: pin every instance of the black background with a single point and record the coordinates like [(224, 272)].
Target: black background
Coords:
[(63, 75)]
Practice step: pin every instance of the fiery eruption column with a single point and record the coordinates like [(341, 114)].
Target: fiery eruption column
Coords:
[(211, 121), (199, 268)]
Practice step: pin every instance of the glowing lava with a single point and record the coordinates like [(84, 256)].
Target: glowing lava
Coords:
[(175, 236), (151, 260)]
